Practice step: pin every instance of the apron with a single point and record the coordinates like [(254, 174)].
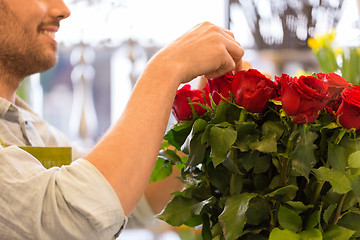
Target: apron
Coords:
[(48, 156)]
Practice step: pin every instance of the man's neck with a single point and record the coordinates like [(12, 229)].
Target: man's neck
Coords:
[(8, 86)]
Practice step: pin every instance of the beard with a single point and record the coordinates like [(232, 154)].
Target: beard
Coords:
[(21, 51), (21, 60), (25, 62)]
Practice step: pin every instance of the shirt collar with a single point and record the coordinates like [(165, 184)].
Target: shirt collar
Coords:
[(9, 111), (12, 112)]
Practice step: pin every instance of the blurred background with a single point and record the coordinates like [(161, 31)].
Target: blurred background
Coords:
[(105, 44)]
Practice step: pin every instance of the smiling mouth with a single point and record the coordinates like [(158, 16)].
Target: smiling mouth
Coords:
[(49, 33)]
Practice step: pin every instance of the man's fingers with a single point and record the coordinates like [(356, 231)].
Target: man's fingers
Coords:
[(242, 65), (231, 58), (227, 65)]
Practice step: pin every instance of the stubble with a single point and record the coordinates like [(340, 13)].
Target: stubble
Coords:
[(21, 54)]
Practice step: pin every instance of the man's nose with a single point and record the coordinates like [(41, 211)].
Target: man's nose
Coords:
[(58, 9)]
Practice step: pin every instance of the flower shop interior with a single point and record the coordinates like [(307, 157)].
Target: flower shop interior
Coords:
[(104, 46)]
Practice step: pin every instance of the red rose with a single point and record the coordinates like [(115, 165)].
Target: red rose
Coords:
[(252, 90), (303, 98), (277, 95), (336, 84), (220, 86), (206, 92), (181, 109), (349, 110)]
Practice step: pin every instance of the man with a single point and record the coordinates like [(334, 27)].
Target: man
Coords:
[(92, 197)]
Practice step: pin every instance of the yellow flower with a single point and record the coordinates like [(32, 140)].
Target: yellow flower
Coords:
[(314, 44), (321, 41), (301, 72), (338, 51)]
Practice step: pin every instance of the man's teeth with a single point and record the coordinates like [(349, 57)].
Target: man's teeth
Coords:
[(51, 34)]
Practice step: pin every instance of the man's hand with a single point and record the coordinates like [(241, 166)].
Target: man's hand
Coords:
[(205, 50)]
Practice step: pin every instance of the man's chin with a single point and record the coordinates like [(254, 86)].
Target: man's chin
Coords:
[(48, 64)]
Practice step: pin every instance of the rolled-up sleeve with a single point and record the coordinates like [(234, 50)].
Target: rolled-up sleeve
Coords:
[(71, 202)]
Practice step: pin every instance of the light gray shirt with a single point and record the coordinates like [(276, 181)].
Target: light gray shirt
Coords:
[(71, 202)]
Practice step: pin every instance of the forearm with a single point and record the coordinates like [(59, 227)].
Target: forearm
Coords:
[(127, 153)]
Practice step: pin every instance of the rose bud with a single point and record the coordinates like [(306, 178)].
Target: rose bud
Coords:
[(252, 90), (303, 98), (182, 109), (349, 109), (220, 88)]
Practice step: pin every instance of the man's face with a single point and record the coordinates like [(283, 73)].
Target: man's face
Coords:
[(27, 30)]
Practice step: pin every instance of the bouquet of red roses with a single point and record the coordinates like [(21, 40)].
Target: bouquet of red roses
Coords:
[(266, 159)]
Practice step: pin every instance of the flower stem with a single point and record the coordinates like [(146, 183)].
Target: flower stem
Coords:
[(285, 169), (338, 210), (340, 135), (285, 161), (316, 195)]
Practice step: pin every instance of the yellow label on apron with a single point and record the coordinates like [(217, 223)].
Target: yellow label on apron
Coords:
[(50, 156)]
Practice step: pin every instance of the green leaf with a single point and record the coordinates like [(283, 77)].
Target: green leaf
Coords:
[(262, 164), (219, 177), (170, 155), (303, 157), (275, 182), (278, 234), (334, 232), (354, 160), (205, 229), (313, 220), (311, 234), (338, 180), (355, 184), (350, 201), (288, 219), (284, 194), (199, 125), (161, 170), (236, 184), (337, 157), (261, 181), (194, 221), (220, 113), (244, 128), (231, 162), (248, 160), (178, 211), (216, 230), (197, 208), (298, 206), (196, 153), (243, 143), (255, 237), (206, 134), (267, 144), (270, 127), (351, 221), (329, 212), (221, 140), (257, 212), (178, 134), (233, 218)]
